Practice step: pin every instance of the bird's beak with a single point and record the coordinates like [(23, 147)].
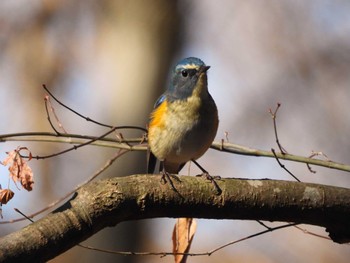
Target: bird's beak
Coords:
[(203, 69)]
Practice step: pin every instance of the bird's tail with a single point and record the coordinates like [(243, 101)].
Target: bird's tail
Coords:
[(184, 228)]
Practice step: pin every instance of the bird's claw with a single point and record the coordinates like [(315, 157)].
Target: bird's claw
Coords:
[(166, 177), (212, 179)]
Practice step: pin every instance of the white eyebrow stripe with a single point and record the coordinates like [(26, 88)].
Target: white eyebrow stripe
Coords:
[(188, 66)]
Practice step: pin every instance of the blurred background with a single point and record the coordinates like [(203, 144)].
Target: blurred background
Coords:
[(110, 60)]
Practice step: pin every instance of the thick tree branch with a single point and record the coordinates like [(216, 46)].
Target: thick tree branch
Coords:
[(109, 202)]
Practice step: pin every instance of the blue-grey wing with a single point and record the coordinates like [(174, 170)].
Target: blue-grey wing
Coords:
[(159, 100), (151, 162)]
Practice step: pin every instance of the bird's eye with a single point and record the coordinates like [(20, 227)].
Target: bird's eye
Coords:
[(184, 73)]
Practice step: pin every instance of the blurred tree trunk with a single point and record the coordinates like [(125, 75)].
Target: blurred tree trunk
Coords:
[(132, 44), (139, 39)]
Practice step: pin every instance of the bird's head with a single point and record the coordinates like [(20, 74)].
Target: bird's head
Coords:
[(189, 76)]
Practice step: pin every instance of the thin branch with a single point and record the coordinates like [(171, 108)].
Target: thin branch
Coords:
[(75, 112), (48, 103), (313, 154), (113, 143), (75, 147), (46, 99), (305, 231), (251, 236), (64, 138), (274, 117), (120, 153), (209, 253), (25, 216), (283, 166), (263, 224), (243, 150), (89, 119)]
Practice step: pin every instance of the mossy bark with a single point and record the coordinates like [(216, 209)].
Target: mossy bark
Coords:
[(109, 202)]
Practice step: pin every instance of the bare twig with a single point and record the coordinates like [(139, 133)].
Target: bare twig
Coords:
[(89, 119), (47, 105), (209, 253), (282, 165), (46, 99), (113, 143), (97, 173), (313, 154), (75, 147), (263, 224), (243, 150), (25, 216), (274, 117), (305, 231), (282, 150), (251, 236)]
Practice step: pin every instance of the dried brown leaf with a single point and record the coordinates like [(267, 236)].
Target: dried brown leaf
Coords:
[(6, 195), (183, 234), (26, 177), (10, 157), (19, 168)]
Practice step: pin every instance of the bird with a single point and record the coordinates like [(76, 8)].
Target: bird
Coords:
[(184, 121)]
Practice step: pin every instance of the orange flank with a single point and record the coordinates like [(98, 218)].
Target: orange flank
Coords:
[(157, 116)]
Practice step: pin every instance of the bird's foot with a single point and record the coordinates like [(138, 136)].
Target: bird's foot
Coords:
[(166, 177), (212, 179)]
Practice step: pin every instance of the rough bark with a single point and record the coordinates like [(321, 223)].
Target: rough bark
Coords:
[(109, 202)]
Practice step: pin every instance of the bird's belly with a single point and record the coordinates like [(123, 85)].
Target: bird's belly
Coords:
[(183, 137)]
